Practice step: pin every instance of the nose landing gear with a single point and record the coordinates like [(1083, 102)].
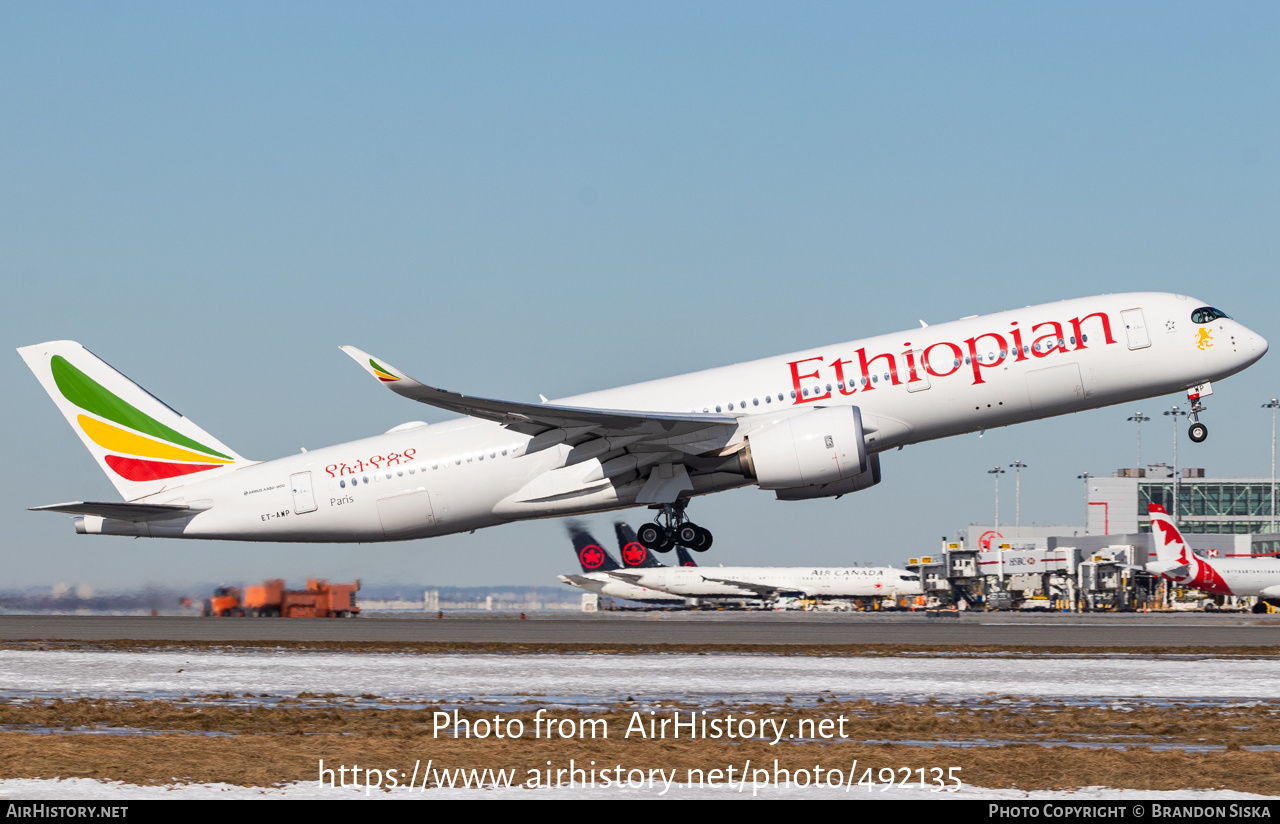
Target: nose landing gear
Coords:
[(671, 528), (1197, 432)]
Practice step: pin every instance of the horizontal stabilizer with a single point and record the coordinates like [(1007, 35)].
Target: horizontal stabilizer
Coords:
[(135, 513), (1174, 569)]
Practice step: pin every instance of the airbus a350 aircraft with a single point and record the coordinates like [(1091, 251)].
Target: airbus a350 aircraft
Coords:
[(1224, 576), (805, 425)]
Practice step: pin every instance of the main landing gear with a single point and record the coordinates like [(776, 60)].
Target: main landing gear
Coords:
[(671, 528), (1197, 432)]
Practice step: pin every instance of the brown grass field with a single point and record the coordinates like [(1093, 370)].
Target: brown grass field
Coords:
[(231, 739), (997, 742)]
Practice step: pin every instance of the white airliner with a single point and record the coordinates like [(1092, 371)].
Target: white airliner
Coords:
[(771, 583), (805, 425), (1221, 576)]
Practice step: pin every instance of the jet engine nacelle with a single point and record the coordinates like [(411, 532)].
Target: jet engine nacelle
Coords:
[(816, 448), (862, 480)]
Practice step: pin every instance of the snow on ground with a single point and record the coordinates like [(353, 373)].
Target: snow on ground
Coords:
[(405, 676), (595, 678)]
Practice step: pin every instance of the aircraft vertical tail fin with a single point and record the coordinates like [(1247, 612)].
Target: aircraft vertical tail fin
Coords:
[(142, 444), (634, 554), (591, 555), (1176, 560), (683, 556), (1171, 549)]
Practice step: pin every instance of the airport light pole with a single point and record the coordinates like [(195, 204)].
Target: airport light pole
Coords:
[(1138, 417), (1174, 413), (1017, 467), (1085, 476), (997, 472), (1273, 405)]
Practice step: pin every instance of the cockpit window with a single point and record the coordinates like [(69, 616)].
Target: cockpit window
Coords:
[(1207, 314)]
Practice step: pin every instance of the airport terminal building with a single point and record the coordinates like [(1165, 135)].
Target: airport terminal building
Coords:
[(1205, 506), (1097, 566), (1118, 505)]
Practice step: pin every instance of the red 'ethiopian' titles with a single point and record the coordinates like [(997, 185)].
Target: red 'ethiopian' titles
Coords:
[(944, 358)]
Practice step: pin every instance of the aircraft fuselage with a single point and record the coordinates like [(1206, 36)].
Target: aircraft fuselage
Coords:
[(913, 386)]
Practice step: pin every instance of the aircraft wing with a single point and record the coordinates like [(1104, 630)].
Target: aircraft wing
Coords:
[(120, 512), (759, 590), (535, 418)]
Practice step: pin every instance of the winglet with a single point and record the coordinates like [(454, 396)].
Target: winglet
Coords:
[(379, 369)]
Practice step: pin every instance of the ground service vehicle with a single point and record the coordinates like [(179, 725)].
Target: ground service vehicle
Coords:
[(270, 599), (224, 603)]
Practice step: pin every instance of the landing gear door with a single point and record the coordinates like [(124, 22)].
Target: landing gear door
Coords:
[(406, 513), (304, 498), (1135, 329)]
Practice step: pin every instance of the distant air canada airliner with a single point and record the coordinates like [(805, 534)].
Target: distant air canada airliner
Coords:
[(806, 425)]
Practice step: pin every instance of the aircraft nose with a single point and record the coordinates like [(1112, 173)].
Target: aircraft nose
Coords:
[(1258, 344)]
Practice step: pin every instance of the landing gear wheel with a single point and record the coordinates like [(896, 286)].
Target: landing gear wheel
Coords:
[(1198, 432), (670, 528), (652, 536)]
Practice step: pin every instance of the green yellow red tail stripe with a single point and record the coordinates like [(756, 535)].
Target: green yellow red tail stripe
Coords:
[(119, 440), (157, 451)]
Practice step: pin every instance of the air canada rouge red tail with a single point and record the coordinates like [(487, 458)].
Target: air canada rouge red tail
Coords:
[(1221, 575)]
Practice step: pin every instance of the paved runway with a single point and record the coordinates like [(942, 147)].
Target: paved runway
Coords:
[(719, 628)]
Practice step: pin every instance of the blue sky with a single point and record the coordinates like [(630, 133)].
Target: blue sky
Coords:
[(512, 199)]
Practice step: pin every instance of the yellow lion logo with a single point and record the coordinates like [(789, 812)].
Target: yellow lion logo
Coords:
[(1205, 340)]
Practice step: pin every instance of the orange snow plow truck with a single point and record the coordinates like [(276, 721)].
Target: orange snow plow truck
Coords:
[(320, 599)]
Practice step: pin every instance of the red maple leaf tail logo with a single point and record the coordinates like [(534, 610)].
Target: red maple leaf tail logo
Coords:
[(634, 554), (1171, 537)]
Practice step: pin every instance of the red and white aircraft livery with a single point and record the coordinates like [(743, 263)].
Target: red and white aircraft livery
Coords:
[(1222, 576), (805, 425)]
